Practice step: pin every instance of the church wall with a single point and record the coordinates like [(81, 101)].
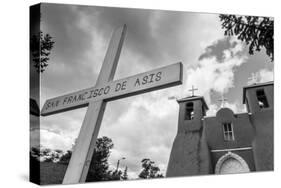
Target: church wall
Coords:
[(243, 136), (185, 161), (263, 142), (243, 132), (262, 121), (189, 155), (205, 155)]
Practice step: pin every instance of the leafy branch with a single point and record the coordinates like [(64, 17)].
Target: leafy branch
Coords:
[(40, 46), (256, 31)]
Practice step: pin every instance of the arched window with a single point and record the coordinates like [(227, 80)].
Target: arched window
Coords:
[(189, 111), (231, 163)]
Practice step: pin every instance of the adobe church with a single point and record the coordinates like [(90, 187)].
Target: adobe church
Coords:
[(226, 142)]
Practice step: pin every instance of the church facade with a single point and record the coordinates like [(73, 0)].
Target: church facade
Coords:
[(226, 142)]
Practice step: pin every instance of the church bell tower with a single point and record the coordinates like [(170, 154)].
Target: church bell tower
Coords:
[(190, 154), (260, 106)]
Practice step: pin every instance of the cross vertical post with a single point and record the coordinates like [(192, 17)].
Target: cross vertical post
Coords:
[(78, 167)]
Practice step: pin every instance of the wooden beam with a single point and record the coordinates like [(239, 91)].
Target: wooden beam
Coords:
[(78, 167), (152, 80)]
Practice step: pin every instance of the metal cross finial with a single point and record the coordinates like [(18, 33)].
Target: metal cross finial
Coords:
[(223, 100), (253, 79), (192, 90)]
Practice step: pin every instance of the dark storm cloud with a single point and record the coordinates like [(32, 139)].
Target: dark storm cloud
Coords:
[(153, 34), (70, 39), (71, 42), (217, 49)]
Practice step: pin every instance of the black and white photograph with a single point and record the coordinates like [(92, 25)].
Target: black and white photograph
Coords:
[(119, 94)]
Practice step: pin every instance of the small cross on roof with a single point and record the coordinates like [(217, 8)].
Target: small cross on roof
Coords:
[(223, 100), (253, 79), (192, 90)]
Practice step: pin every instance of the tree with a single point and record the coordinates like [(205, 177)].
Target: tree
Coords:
[(34, 166), (35, 152), (98, 170), (125, 174), (43, 154), (150, 170), (257, 32), (40, 47), (118, 174), (113, 175), (65, 158)]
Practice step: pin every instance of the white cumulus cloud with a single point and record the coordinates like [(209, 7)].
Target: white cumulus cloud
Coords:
[(212, 75)]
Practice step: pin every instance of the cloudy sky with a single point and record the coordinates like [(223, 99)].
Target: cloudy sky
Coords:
[(142, 126)]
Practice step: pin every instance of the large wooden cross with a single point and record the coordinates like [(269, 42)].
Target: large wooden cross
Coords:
[(96, 98)]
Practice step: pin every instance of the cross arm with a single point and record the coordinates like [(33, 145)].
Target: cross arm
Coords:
[(160, 78)]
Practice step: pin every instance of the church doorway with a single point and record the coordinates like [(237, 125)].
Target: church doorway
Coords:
[(231, 163)]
